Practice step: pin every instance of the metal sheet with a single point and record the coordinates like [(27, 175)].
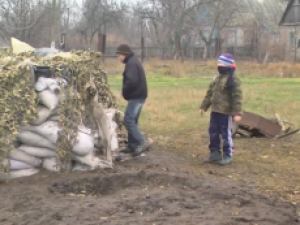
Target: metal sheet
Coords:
[(266, 126)]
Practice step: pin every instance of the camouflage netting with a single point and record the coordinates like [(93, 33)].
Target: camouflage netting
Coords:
[(19, 103)]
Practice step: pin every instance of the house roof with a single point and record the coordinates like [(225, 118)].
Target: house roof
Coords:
[(291, 15)]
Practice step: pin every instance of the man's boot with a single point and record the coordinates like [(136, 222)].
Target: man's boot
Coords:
[(226, 160), (142, 148), (214, 156)]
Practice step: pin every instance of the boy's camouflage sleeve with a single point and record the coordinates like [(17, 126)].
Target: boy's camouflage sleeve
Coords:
[(237, 98), (206, 101)]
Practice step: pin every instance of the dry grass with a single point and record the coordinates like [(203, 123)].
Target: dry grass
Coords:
[(208, 68), (171, 117)]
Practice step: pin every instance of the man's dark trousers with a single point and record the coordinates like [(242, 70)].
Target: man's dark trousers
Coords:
[(131, 118), (220, 124)]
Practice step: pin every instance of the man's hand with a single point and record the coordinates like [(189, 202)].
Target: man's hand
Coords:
[(202, 112), (237, 118)]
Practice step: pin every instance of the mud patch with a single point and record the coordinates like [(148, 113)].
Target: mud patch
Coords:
[(114, 184), (161, 198)]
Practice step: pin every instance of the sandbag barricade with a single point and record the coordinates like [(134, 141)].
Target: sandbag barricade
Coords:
[(37, 141)]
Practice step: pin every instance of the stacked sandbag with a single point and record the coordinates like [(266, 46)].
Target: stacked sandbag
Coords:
[(27, 157), (37, 74), (39, 140)]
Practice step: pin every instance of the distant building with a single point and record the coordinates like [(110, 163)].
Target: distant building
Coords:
[(291, 20), (291, 15)]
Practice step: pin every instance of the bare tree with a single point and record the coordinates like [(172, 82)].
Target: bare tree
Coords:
[(28, 20), (97, 15), (169, 19), (212, 18), (17, 17)]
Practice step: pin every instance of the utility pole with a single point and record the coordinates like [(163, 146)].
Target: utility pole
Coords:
[(68, 19), (53, 25), (142, 42), (100, 39), (23, 19), (295, 56), (59, 12), (104, 41), (217, 42)]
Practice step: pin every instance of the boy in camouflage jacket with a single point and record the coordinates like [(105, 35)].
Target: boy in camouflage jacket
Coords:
[(224, 96)]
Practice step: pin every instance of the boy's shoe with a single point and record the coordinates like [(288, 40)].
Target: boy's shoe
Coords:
[(142, 148), (226, 160), (214, 157)]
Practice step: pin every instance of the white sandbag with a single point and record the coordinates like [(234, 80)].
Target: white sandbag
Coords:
[(51, 165), (92, 161), (48, 130), (44, 83), (18, 165), (84, 144), (24, 157), (114, 137), (112, 129), (37, 152), (32, 139), (48, 98), (43, 114), (22, 173)]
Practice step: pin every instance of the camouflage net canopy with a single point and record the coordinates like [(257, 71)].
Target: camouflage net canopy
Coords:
[(81, 69)]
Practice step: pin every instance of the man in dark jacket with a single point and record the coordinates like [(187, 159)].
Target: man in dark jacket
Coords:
[(135, 91)]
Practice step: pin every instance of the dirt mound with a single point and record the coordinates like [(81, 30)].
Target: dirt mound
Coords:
[(118, 183), (129, 197), (162, 198)]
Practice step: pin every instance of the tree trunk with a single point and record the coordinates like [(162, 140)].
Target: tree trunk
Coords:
[(266, 58), (205, 52), (53, 26), (180, 51)]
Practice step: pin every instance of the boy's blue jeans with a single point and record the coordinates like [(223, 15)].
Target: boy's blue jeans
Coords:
[(220, 124), (131, 118)]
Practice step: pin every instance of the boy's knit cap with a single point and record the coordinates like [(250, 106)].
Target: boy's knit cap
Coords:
[(226, 60)]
